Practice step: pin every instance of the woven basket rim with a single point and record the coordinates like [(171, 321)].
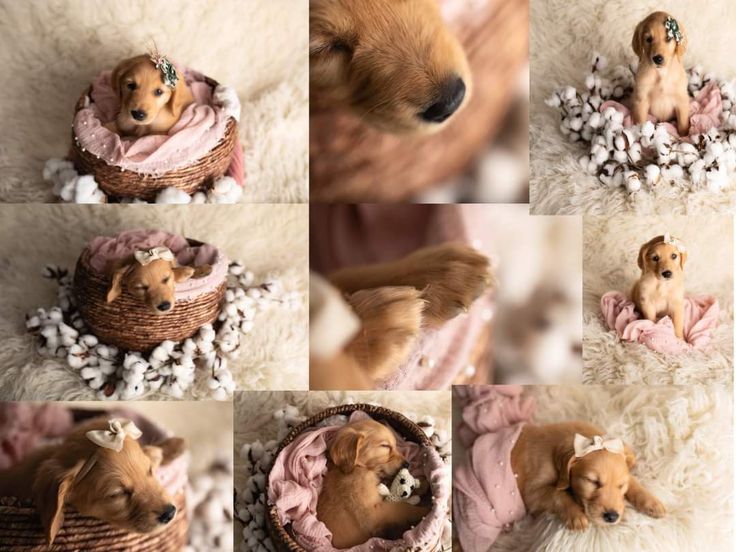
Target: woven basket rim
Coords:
[(405, 426)]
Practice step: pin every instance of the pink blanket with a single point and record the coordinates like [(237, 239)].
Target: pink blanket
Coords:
[(105, 249), (24, 426), (486, 498), (701, 317), (705, 112), (295, 482), (201, 126)]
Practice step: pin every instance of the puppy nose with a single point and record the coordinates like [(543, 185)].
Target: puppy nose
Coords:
[(610, 516), (138, 115), (658, 59), (451, 97), (667, 273), (163, 307), (168, 514)]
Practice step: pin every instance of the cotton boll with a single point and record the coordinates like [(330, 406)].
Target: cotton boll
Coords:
[(716, 180), (635, 153), (173, 196), (568, 93), (620, 156), (647, 129), (652, 174), (554, 100), (595, 120), (227, 98), (199, 198), (53, 166), (87, 191), (675, 172), (633, 184), (225, 190)]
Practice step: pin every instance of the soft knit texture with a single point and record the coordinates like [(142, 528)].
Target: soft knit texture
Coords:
[(700, 318), (23, 426)]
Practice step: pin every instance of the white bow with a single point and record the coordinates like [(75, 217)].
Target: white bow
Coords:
[(584, 445), (114, 438), (674, 242), (147, 256)]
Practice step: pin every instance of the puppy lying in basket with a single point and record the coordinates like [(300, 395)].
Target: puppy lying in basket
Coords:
[(362, 454), (661, 82), (395, 64), (101, 471), (152, 96), (151, 275), (660, 291)]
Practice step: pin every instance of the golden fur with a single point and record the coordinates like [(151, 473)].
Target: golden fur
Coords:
[(660, 89), (578, 492), (362, 455), (654, 294), (395, 300), (117, 487), (388, 61), (140, 88)]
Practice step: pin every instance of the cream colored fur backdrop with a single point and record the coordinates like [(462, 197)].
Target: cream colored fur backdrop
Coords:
[(50, 51), (266, 238), (563, 35), (610, 250)]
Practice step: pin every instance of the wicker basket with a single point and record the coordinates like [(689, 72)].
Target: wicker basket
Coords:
[(351, 162), (21, 530), (127, 323), (119, 184), (281, 536)]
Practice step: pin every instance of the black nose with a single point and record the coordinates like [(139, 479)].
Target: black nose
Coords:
[(610, 516), (658, 59), (164, 306), (404, 493), (667, 274), (138, 115), (168, 514), (451, 97)]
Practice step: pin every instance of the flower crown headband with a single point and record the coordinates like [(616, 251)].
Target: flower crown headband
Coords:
[(673, 29), (162, 63), (669, 239)]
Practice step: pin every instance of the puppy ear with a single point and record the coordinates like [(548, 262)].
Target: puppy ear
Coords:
[(637, 41), (182, 273), (630, 457), (563, 457), (118, 73), (681, 47), (344, 449), (171, 449), (683, 258), (116, 283), (181, 96), (50, 490), (155, 455), (642, 253)]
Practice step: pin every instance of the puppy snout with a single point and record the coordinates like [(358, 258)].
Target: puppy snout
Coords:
[(658, 59), (451, 98), (667, 274), (164, 306), (168, 514), (138, 114), (610, 516)]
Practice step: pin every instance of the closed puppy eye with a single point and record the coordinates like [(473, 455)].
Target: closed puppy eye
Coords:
[(341, 47), (594, 482), (150, 471), (158, 92), (132, 86), (141, 287), (166, 280), (121, 492)]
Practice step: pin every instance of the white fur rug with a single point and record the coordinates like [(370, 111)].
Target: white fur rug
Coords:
[(563, 35), (267, 238), (610, 250), (49, 51), (683, 440)]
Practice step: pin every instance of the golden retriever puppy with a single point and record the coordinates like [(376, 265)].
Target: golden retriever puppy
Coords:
[(361, 455), (118, 487), (150, 276), (661, 82), (394, 301), (152, 96), (571, 470), (660, 291), (393, 63)]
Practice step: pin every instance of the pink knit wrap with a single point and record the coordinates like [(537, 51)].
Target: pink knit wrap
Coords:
[(486, 498), (295, 482)]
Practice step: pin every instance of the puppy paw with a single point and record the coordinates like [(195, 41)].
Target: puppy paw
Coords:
[(650, 506), (451, 276), (576, 520)]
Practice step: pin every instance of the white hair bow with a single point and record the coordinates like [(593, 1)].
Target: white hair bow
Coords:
[(584, 445), (147, 256), (669, 239), (114, 438)]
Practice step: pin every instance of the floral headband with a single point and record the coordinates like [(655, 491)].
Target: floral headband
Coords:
[(669, 239), (673, 29), (114, 437), (168, 72), (147, 256)]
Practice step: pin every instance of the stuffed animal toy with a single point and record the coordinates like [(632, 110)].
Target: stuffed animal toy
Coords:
[(403, 485)]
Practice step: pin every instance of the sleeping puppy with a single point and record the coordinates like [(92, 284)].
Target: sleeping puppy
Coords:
[(361, 455), (152, 97), (394, 64), (393, 302), (118, 487), (564, 470), (661, 83), (660, 291), (151, 276)]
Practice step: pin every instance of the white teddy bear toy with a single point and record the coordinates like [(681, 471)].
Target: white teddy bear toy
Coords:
[(401, 488)]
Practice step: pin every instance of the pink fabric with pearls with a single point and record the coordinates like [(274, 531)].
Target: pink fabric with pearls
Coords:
[(200, 128), (705, 112), (106, 249), (486, 498), (700, 318), (295, 482)]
